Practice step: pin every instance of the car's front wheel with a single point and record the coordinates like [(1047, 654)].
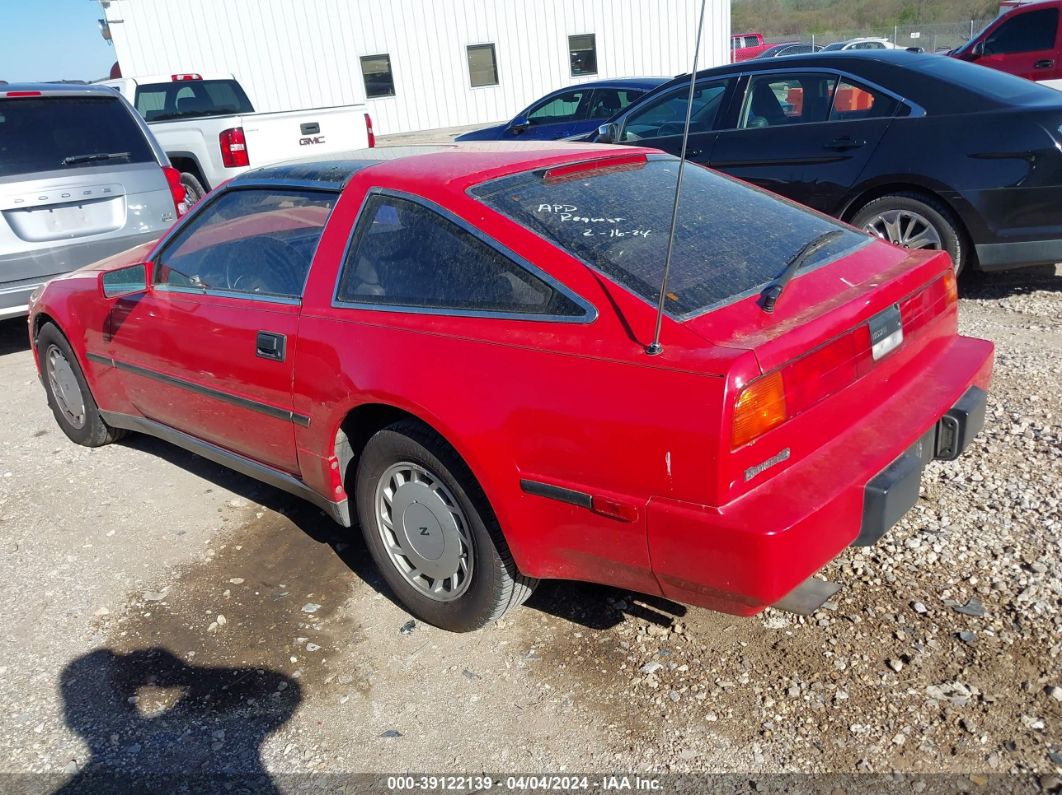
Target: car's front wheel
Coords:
[(914, 221), (69, 397), (432, 533)]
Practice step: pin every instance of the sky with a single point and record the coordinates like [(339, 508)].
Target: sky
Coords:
[(52, 40)]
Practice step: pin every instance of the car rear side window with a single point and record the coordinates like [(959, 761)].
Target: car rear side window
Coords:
[(607, 102), (780, 100), (405, 254), (255, 241), (732, 239), (852, 102), (67, 134)]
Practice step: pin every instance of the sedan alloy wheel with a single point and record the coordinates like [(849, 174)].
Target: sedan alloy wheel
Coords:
[(905, 228)]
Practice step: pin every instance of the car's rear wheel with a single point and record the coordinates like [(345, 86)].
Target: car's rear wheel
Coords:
[(68, 394), (193, 189), (915, 221), (432, 533)]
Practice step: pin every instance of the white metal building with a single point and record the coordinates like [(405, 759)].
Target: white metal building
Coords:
[(419, 64)]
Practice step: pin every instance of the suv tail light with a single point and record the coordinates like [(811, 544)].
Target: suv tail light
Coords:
[(173, 178), (233, 148), (368, 129), (760, 406)]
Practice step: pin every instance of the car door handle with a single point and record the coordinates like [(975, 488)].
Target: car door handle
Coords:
[(270, 346), (842, 144), (1046, 63)]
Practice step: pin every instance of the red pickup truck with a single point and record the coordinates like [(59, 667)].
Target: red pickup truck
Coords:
[(746, 46), (1024, 40)]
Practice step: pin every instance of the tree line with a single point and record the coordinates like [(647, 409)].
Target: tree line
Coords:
[(774, 17)]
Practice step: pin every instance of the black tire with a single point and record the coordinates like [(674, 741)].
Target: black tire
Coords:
[(496, 586), (953, 238), (93, 431), (193, 189)]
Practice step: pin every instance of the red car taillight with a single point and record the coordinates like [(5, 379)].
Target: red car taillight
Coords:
[(368, 130), (770, 400), (234, 148), (173, 179)]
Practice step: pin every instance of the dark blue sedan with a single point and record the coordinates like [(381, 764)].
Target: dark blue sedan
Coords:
[(574, 110)]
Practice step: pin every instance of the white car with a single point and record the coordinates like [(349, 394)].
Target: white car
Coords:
[(868, 43), (210, 131)]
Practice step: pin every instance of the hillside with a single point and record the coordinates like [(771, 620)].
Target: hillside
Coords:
[(773, 17)]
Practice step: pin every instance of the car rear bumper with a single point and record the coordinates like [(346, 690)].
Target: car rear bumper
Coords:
[(894, 490), (752, 553), (1004, 256)]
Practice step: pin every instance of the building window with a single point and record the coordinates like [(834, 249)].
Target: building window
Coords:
[(376, 71), (482, 65), (583, 52)]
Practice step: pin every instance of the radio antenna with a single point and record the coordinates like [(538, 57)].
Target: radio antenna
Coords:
[(655, 347)]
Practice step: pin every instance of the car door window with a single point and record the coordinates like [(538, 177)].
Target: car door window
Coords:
[(666, 115), (779, 100), (250, 242), (569, 106), (852, 101), (1029, 32), (405, 254), (607, 102)]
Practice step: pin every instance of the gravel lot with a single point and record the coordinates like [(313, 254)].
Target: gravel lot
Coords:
[(164, 614)]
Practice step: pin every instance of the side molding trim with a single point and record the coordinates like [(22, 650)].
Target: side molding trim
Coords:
[(570, 496), (236, 400)]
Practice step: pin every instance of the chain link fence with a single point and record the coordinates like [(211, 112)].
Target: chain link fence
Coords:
[(935, 37)]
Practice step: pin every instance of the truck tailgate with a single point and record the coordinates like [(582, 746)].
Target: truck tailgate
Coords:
[(274, 137)]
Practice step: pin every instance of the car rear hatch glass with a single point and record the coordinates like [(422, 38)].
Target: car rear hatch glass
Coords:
[(78, 182), (68, 133), (615, 215)]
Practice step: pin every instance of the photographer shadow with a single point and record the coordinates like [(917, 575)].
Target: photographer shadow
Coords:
[(156, 724)]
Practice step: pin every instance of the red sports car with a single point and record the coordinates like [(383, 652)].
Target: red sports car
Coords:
[(451, 347)]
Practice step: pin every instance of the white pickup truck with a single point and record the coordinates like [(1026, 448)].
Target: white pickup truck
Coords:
[(209, 129)]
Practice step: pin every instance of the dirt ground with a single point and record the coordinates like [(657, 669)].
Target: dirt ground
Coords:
[(162, 614)]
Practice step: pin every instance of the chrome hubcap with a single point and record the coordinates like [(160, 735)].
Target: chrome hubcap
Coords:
[(65, 388), (424, 531), (905, 228)]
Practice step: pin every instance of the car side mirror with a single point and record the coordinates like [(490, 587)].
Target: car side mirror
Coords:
[(124, 281), (520, 123), (979, 50), (608, 133)]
